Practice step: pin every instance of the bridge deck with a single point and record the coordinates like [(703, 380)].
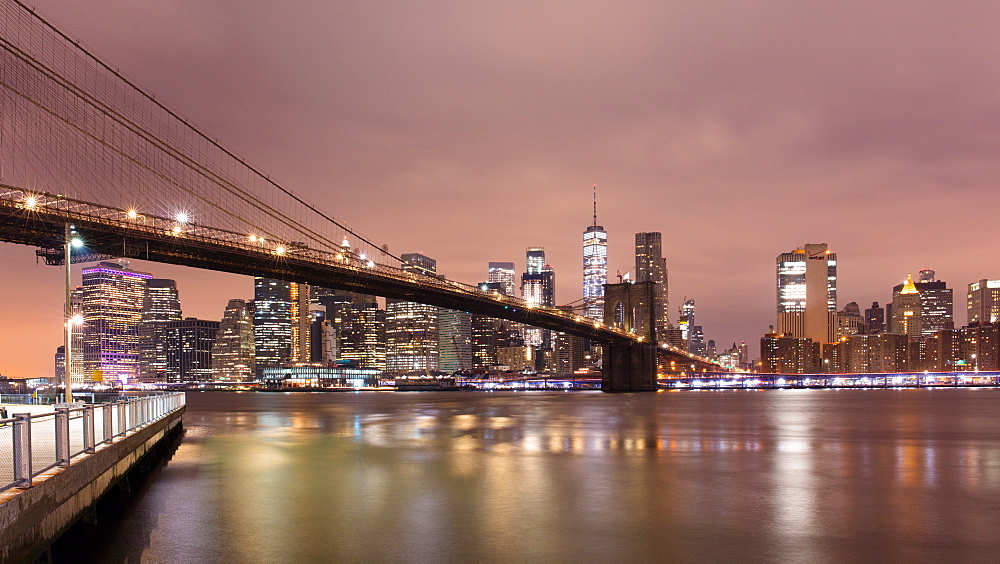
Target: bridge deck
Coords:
[(39, 219)]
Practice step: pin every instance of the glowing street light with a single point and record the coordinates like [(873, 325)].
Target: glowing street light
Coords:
[(182, 217), (176, 230), (131, 214), (76, 242), (31, 202), (279, 250)]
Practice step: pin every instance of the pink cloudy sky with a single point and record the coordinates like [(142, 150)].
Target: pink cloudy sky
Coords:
[(470, 130)]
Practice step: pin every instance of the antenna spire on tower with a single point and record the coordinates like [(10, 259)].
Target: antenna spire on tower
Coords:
[(595, 205)]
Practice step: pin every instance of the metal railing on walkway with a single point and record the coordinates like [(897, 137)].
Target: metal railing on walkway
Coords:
[(33, 443)]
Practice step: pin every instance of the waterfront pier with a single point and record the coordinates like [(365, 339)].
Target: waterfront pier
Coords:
[(56, 465)]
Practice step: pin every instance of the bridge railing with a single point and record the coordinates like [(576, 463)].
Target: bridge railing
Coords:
[(33, 443)]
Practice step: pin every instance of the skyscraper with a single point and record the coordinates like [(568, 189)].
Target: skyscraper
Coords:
[(595, 267), (358, 327), (807, 293), (301, 323), (411, 329), (984, 302), (487, 332), (534, 260), (76, 370), (936, 303), (454, 340), (160, 305), (538, 285), (503, 273), (368, 340), (650, 266), (233, 352), (189, 349), (906, 312), (875, 319), (272, 323), (686, 320), (112, 310)]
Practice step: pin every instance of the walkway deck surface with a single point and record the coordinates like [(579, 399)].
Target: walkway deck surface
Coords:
[(43, 437)]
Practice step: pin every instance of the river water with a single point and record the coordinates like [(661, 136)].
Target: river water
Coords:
[(772, 475)]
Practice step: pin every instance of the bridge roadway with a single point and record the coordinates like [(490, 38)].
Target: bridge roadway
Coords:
[(39, 219)]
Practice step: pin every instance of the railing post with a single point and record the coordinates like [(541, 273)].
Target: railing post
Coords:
[(121, 418), (22, 450), (108, 423), (88, 429), (62, 436), (131, 414)]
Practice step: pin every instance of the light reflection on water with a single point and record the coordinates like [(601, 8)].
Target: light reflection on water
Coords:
[(791, 475)]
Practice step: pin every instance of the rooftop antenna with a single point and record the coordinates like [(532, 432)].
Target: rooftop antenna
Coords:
[(595, 205)]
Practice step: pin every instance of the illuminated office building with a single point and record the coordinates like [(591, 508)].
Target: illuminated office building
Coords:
[(357, 326), (322, 335), (160, 305), (189, 349), (906, 318), (233, 352), (781, 354), (487, 333), (76, 370), (538, 285), (534, 260), (112, 311), (454, 340), (503, 273), (936, 303), (691, 333), (984, 302), (807, 293), (273, 322), (369, 337), (595, 267), (411, 329), (850, 321), (650, 266), (301, 323)]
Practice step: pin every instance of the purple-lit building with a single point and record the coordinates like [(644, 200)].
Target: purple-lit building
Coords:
[(112, 310)]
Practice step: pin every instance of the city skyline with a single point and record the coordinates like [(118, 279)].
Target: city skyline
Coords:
[(712, 176)]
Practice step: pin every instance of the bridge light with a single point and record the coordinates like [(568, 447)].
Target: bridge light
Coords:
[(31, 202), (363, 257), (253, 238), (371, 264), (176, 230), (131, 214), (76, 242), (182, 217), (279, 250)]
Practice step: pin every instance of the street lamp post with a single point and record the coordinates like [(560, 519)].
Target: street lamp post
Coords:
[(68, 356), (71, 317)]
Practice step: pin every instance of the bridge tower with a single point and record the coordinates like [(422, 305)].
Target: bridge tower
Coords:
[(630, 367)]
